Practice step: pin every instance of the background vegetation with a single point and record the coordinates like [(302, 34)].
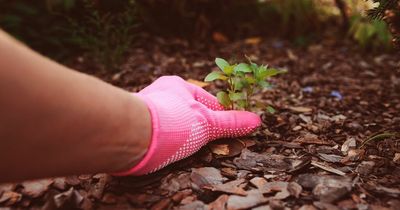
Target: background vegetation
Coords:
[(104, 30)]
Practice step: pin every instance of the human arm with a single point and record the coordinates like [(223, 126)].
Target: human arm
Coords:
[(56, 121)]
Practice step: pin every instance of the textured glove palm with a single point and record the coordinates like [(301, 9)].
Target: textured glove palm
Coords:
[(185, 118)]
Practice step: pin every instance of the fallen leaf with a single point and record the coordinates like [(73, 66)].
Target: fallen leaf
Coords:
[(226, 147), (36, 188), (198, 83), (219, 149), (253, 198)]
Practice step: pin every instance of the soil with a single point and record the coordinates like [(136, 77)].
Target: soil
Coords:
[(332, 143)]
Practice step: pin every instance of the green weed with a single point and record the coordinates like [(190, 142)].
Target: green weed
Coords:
[(243, 80)]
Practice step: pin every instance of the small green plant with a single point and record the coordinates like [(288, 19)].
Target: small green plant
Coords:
[(243, 80)]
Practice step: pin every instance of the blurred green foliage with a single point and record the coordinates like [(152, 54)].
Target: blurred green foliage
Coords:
[(370, 34), (102, 30)]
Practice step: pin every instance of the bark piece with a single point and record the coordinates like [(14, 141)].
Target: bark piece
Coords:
[(68, 199), (206, 176), (253, 198), (232, 187), (219, 203), (36, 188), (268, 162)]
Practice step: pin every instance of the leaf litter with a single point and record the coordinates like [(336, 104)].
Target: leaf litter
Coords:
[(325, 163)]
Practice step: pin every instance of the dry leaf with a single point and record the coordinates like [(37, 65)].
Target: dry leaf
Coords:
[(219, 149), (226, 147)]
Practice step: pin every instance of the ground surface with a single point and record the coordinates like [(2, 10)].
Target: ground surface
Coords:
[(307, 155)]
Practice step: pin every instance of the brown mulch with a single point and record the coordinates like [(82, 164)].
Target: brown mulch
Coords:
[(333, 142)]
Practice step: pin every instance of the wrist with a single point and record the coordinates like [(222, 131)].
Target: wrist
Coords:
[(138, 133)]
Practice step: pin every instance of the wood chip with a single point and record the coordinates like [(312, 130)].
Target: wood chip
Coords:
[(219, 203), (253, 198), (36, 188), (232, 187), (300, 109), (206, 176)]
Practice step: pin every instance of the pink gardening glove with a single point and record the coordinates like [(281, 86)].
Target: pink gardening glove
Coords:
[(185, 118)]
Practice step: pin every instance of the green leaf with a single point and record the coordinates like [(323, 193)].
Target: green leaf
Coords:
[(239, 84), (250, 79), (242, 67), (242, 104), (265, 73), (213, 76), (223, 98), (228, 70), (271, 109), (264, 84), (221, 63), (236, 96)]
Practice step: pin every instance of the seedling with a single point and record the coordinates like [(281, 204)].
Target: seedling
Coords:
[(243, 80)]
